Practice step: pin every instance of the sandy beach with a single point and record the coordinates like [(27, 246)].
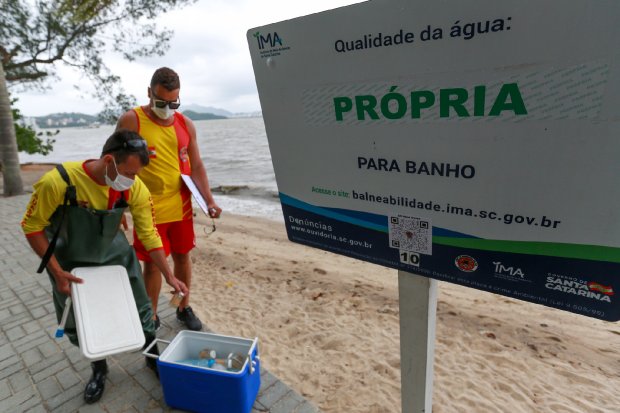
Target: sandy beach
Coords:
[(328, 327)]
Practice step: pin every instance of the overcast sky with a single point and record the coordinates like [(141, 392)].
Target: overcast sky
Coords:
[(209, 50)]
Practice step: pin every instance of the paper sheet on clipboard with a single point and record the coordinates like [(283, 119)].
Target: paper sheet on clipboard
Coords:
[(189, 182)]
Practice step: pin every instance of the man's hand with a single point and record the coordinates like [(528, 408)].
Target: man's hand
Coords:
[(178, 285), (159, 259), (64, 280), (39, 243), (214, 210)]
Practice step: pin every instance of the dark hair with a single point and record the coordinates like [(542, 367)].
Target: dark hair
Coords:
[(117, 145), (166, 77)]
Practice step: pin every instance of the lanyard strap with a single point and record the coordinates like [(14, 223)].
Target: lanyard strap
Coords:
[(69, 199)]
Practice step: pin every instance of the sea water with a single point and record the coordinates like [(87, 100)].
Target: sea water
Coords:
[(234, 151)]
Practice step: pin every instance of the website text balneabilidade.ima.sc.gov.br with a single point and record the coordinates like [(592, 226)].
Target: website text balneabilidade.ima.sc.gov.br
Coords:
[(429, 205)]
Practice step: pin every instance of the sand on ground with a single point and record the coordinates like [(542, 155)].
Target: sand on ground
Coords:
[(328, 326)]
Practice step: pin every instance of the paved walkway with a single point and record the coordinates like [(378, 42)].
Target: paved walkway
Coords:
[(39, 373)]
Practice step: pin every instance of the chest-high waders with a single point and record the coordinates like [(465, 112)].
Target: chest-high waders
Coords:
[(82, 237)]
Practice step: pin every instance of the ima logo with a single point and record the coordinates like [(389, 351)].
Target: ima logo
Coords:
[(512, 271), (270, 40)]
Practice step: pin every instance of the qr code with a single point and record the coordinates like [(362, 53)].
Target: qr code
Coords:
[(411, 234)]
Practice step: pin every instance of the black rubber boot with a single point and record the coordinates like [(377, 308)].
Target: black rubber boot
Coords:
[(96, 384), (150, 362)]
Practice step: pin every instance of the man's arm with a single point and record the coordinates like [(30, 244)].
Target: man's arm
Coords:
[(39, 243), (47, 197), (199, 172)]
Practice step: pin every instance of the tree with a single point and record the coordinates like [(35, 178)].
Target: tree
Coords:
[(28, 140), (35, 36), (9, 163)]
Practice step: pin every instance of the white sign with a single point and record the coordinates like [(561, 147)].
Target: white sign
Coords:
[(479, 129)]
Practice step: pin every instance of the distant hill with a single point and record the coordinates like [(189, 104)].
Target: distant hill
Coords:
[(220, 112), (202, 116), (73, 119), (206, 109), (255, 114), (66, 120)]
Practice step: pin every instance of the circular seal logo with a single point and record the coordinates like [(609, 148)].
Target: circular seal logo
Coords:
[(466, 263), (183, 155)]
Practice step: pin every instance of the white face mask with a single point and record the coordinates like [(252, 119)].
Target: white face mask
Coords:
[(162, 113), (121, 183)]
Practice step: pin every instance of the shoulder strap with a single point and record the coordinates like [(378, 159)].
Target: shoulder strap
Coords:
[(69, 199), (181, 118), (122, 201), (71, 191)]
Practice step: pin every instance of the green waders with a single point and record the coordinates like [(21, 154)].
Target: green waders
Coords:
[(88, 238)]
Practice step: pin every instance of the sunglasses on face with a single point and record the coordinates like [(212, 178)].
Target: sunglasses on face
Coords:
[(161, 103)]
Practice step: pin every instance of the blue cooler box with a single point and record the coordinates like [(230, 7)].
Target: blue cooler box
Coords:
[(203, 389)]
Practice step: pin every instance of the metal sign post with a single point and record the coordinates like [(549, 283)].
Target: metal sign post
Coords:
[(417, 297)]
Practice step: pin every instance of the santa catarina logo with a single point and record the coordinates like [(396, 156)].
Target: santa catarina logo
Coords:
[(579, 286)]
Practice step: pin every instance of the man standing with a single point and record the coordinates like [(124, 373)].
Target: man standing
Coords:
[(77, 209), (173, 150)]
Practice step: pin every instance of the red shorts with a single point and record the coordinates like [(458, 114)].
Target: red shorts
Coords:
[(177, 237)]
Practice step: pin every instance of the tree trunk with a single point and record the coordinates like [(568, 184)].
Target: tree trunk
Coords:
[(9, 160)]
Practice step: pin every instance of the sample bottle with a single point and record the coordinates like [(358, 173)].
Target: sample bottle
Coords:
[(175, 301), (207, 353)]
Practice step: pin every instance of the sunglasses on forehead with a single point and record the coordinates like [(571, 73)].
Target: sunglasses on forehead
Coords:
[(161, 103), (133, 144)]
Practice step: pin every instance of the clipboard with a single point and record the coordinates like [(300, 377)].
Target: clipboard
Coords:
[(189, 182)]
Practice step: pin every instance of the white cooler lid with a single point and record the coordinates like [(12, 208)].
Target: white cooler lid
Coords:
[(105, 312)]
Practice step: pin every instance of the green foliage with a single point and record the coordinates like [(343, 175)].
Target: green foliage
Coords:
[(28, 140)]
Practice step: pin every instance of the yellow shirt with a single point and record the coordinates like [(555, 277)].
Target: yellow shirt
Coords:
[(50, 190), (168, 160)]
